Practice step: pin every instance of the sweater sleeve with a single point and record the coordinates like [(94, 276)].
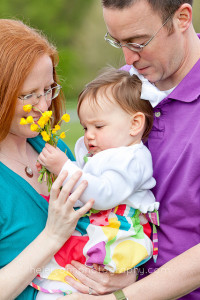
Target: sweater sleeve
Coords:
[(118, 175)]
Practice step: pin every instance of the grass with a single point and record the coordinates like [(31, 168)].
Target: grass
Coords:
[(75, 131), (74, 128)]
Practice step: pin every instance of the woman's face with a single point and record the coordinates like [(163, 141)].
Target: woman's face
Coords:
[(38, 81)]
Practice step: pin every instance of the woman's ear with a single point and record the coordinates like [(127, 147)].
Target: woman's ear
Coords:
[(184, 16), (137, 124)]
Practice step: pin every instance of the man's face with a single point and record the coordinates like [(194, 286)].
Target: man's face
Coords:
[(162, 58)]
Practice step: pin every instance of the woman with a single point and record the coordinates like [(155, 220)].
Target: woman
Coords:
[(30, 232)]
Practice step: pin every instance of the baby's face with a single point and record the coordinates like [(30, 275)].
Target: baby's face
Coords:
[(105, 123)]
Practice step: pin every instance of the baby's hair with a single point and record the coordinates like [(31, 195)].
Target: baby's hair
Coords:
[(126, 91)]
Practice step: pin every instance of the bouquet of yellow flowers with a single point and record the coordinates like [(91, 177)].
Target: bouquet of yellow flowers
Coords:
[(49, 135)]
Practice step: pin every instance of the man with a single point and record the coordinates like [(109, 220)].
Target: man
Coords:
[(158, 39), (168, 57)]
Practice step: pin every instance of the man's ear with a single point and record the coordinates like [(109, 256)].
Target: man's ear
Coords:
[(137, 124), (184, 16)]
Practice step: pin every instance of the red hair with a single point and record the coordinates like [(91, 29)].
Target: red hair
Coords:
[(20, 47)]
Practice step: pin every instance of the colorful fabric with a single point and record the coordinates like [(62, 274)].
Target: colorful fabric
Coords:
[(117, 239)]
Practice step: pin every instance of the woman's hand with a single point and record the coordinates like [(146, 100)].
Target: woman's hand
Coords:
[(78, 296), (62, 218), (94, 284), (98, 283)]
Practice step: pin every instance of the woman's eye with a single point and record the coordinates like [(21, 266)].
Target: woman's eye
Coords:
[(47, 91), (27, 97)]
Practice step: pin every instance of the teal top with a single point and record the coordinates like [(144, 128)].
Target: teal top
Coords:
[(23, 213)]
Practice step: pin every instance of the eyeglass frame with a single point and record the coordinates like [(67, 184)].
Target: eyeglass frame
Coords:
[(58, 86), (129, 45)]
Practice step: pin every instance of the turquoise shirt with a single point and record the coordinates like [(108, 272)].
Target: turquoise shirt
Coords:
[(23, 213)]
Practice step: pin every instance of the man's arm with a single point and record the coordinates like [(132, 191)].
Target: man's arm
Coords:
[(173, 280), (176, 278)]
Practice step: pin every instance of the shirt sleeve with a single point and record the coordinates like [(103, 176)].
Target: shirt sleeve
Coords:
[(118, 177)]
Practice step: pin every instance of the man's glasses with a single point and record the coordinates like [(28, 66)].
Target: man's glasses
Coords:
[(49, 95), (132, 46)]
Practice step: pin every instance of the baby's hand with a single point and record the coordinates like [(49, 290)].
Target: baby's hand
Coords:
[(52, 158), (38, 166)]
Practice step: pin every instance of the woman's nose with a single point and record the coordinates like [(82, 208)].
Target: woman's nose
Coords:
[(42, 103)]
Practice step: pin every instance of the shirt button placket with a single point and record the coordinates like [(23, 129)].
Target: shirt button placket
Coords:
[(157, 114)]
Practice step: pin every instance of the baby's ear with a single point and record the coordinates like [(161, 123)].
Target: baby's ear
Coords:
[(137, 124)]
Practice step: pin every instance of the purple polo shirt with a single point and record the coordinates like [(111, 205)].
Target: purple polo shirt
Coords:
[(174, 143)]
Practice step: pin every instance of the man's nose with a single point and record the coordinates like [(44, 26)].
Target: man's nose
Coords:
[(130, 56)]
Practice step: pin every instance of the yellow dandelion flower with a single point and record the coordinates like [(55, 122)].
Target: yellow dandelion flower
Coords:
[(47, 113), (23, 121), (62, 135), (34, 127), (42, 122), (29, 120), (46, 119), (45, 136), (57, 127), (27, 108), (66, 118)]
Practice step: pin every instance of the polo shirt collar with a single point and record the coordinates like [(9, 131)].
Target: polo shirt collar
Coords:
[(188, 89)]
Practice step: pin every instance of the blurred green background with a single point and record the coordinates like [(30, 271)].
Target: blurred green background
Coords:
[(77, 28)]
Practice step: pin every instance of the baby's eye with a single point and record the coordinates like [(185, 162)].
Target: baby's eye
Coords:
[(85, 128), (99, 126)]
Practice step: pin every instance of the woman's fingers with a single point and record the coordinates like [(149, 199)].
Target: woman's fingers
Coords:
[(88, 278), (78, 296), (55, 189), (101, 283), (84, 209), (67, 189), (62, 218), (83, 289)]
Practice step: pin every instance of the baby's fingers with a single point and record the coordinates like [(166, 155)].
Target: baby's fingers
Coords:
[(41, 159), (38, 166)]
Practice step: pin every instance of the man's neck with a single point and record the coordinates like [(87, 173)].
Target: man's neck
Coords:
[(192, 55)]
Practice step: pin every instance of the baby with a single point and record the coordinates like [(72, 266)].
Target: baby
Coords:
[(115, 234)]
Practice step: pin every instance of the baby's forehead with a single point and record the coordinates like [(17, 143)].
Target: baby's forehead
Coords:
[(103, 95)]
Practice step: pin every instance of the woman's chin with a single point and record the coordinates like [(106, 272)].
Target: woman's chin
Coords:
[(32, 134)]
